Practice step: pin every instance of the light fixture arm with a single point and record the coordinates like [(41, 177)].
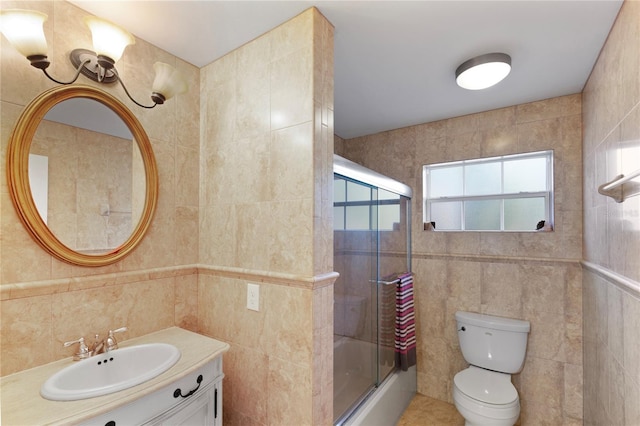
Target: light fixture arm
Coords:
[(78, 71), (101, 68), (115, 72)]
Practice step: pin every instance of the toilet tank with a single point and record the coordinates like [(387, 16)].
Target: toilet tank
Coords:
[(491, 342)]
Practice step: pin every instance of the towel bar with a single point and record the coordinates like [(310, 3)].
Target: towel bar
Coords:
[(614, 188), (396, 281)]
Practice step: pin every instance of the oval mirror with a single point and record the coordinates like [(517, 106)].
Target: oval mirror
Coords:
[(82, 175)]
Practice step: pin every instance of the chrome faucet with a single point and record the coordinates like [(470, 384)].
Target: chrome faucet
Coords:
[(97, 347), (110, 343)]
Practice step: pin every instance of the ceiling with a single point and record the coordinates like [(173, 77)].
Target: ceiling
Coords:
[(395, 60)]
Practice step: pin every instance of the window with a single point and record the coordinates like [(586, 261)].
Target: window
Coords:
[(508, 193)]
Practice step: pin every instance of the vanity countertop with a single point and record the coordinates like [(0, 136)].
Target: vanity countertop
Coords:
[(23, 405)]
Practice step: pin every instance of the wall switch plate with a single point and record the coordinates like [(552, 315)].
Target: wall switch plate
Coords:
[(253, 297)]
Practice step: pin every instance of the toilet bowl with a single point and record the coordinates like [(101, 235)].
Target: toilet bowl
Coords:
[(495, 348), (485, 397)]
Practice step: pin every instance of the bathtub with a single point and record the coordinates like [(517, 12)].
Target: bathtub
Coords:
[(356, 402)]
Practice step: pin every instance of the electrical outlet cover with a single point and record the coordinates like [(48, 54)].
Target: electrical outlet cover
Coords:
[(253, 297)]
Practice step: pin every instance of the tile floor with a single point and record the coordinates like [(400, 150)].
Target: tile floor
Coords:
[(425, 411)]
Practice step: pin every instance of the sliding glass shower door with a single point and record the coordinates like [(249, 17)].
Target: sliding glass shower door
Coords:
[(371, 247)]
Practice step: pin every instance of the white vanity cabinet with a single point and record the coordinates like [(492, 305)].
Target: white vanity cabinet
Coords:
[(195, 399), (175, 397)]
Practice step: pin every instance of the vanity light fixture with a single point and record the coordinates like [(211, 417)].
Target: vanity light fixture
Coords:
[(24, 30), (483, 71)]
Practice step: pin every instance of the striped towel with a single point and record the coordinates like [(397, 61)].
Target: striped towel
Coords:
[(405, 323), (387, 318)]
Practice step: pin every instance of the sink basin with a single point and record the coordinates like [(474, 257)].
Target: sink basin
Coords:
[(110, 372)]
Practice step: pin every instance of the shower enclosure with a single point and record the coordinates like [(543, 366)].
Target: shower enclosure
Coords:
[(372, 217)]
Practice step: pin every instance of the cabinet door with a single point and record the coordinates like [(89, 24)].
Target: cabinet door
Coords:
[(203, 409)]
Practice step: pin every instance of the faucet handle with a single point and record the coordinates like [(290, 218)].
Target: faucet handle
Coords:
[(112, 344), (83, 350)]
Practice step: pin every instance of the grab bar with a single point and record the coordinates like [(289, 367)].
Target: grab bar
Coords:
[(614, 188)]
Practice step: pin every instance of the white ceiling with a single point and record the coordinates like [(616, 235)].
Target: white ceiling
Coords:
[(395, 60)]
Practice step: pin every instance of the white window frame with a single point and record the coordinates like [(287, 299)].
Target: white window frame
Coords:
[(548, 194)]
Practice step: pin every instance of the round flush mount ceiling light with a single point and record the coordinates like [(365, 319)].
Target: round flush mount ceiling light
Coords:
[(483, 71)]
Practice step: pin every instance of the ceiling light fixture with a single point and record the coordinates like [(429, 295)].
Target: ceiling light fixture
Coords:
[(483, 71), (24, 30)]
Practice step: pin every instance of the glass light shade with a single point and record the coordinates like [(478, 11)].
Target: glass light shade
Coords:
[(24, 30), (108, 39), (168, 82), (484, 71)]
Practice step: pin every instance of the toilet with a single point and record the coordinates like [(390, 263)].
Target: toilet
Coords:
[(495, 348)]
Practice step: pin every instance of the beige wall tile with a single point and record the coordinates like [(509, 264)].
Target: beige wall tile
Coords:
[(541, 290), (244, 386), (573, 391), (550, 108), (292, 103), (291, 162), (502, 290), (630, 338), (291, 240), (287, 336), (543, 381), (26, 333), (290, 390), (434, 368), (546, 339), (541, 414), (186, 302), (631, 409)]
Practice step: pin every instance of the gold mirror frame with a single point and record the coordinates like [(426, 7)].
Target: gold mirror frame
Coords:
[(18, 174)]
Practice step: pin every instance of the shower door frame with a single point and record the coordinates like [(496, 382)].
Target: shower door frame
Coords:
[(360, 175)]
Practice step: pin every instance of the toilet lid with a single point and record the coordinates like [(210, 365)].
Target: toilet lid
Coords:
[(486, 386)]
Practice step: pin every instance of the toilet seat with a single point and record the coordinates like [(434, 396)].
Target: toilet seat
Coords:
[(485, 386), (479, 413)]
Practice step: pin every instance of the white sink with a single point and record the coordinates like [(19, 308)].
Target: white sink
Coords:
[(110, 372)]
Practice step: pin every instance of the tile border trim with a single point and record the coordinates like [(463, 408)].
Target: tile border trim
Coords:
[(62, 285), (496, 259), (626, 284), (290, 280)]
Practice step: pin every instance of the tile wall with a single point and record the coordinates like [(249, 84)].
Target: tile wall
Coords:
[(531, 276), (611, 120), (266, 170)]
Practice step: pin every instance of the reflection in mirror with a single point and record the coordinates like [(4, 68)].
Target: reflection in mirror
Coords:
[(96, 182)]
